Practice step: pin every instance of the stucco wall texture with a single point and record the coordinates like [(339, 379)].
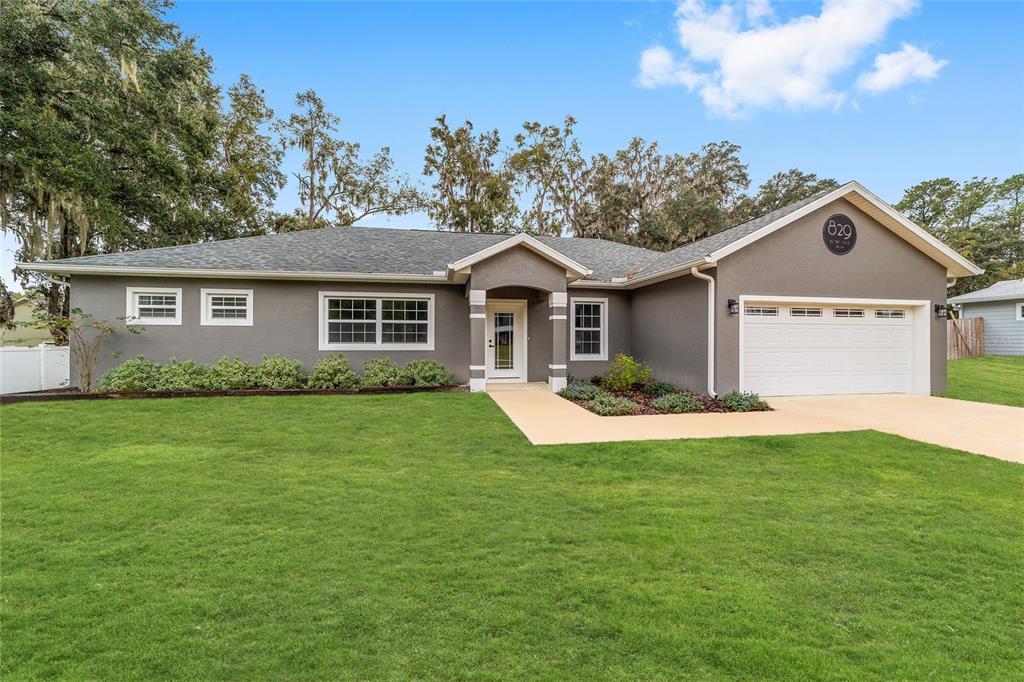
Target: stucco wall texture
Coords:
[(664, 325)]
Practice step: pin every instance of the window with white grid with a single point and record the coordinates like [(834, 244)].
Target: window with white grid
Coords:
[(589, 329), (226, 307), (376, 321), (153, 306)]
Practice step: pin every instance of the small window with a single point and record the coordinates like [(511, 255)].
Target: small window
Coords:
[(761, 310), (805, 312), (153, 306), (589, 329), (376, 322), (1020, 312), (890, 314), (848, 312), (226, 307)]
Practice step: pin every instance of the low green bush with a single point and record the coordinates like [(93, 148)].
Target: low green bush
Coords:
[(578, 390), (676, 403), (232, 374), (625, 372), (744, 402), (656, 389), (333, 372), (384, 372), (278, 373), (429, 373), (137, 374), (608, 405), (183, 375)]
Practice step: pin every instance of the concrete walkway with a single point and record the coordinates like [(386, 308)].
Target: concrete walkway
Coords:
[(992, 430)]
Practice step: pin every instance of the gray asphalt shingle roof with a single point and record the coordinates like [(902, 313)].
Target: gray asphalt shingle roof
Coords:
[(377, 250), (694, 251), (1006, 290)]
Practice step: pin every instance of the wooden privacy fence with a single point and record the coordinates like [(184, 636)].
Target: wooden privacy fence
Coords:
[(965, 338)]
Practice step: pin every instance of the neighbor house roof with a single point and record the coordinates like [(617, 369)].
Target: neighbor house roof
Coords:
[(1007, 290), (369, 253)]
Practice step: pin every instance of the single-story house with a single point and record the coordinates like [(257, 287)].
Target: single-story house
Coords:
[(838, 293), (1002, 307)]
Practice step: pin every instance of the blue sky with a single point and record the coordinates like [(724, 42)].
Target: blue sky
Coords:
[(388, 69)]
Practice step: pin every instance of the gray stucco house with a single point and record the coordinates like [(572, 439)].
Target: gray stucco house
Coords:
[(833, 294), (1002, 307)]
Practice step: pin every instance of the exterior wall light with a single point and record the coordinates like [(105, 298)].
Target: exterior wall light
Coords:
[(734, 306), (941, 311)]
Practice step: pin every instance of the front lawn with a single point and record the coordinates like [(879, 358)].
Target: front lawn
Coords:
[(988, 379), (421, 536)]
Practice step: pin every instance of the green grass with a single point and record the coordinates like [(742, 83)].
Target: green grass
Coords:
[(421, 536), (988, 379)]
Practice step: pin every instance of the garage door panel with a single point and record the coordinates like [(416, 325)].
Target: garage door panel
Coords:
[(786, 355)]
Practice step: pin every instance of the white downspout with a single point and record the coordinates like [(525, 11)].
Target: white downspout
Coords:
[(711, 327)]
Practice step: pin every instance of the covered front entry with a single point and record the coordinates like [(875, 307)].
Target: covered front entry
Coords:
[(506, 334), (828, 346)]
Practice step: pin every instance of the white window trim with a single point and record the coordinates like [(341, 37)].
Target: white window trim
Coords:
[(206, 319), (571, 312), (1020, 311), (324, 344), (132, 308)]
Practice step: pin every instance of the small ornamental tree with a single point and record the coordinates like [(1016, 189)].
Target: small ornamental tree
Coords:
[(86, 338)]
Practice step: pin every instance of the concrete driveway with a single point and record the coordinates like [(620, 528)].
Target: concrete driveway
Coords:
[(992, 430)]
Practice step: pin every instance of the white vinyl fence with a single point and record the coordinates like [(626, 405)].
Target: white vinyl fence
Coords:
[(34, 368)]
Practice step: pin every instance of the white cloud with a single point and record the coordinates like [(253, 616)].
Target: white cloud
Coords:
[(894, 69), (659, 67), (740, 58)]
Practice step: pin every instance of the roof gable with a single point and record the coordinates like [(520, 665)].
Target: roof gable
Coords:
[(710, 249), (572, 268)]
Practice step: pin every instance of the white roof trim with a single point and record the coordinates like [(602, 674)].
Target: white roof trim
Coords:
[(527, 241), (956, 265), (70, 269)]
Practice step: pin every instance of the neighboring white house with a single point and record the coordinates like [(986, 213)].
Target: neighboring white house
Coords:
[(1002, 307)]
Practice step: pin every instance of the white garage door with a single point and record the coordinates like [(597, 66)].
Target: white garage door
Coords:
[(810, 349)]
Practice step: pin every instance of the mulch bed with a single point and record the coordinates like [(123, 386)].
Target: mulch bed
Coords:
[(645, 401), (75, 394)]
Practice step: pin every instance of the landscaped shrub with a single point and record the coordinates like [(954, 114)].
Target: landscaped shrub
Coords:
[(608, 405), (137, 374), (676, 403), (183, 375), (278, 373), (656, 389), (384, 372), (428, 373), (232, 374), (577, 390), (744, 402), (625, 372), (333, 372)]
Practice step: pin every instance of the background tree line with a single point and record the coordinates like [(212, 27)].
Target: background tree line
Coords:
[(114, 137)]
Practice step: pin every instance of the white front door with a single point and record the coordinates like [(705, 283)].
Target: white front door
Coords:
[(808, 348), (506, 341)]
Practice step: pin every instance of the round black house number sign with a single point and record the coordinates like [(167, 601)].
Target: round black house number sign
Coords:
[(839, 234)]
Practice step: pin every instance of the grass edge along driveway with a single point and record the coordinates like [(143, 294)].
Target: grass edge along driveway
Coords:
[(997, 379), (421, 536)]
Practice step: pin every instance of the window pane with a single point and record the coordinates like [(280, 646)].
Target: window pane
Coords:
[(413, 309), (404, 332), (588, 342), (351, 309), (352, 332), (226, 307), (157, 305), (588, 315)]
